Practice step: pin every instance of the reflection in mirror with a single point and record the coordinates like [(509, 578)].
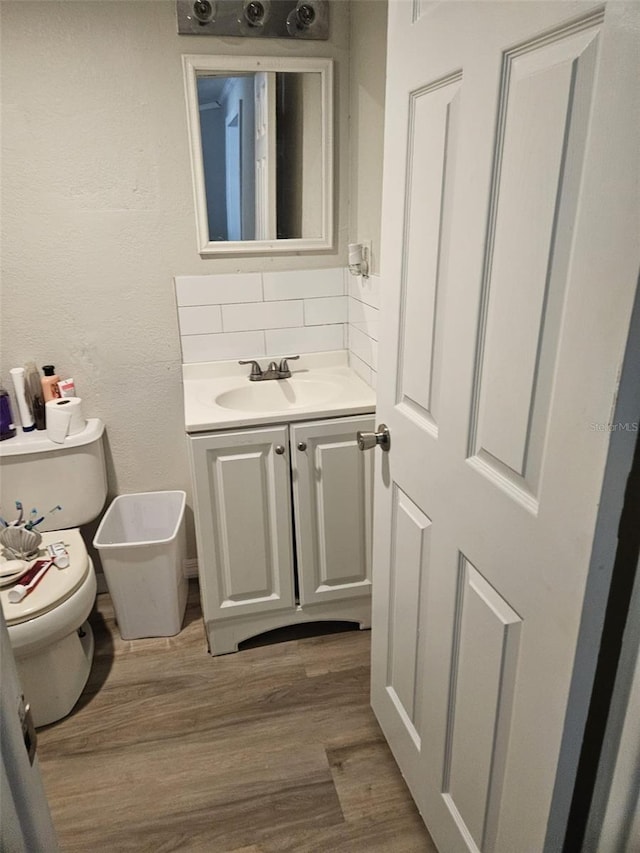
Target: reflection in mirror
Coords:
[(261, 150), (261, 155)]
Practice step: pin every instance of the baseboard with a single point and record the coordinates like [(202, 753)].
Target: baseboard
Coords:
[(190, 568), (102, 583)]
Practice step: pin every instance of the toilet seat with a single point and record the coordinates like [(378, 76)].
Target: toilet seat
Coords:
[(56, 586)]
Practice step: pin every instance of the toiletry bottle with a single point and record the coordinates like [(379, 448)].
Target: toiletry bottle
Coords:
[(33, 390), (50, 381), (67, 388), (7, 427), (17, 376)]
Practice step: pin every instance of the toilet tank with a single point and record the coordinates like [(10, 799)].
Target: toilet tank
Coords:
[(43, 474)]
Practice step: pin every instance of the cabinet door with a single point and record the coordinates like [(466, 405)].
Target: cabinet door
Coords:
[(243, 521), (332, 493)]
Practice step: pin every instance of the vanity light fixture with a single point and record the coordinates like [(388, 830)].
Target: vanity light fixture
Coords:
[(303, 18), (306, 19), (204, 11), (255, 13)]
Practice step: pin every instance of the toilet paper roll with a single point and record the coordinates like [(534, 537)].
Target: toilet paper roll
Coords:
[(64, 417)]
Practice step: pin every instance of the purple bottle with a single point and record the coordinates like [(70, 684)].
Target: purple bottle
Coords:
[(7, 428)]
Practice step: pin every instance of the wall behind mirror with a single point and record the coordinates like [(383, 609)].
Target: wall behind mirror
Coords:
[(262, 153)]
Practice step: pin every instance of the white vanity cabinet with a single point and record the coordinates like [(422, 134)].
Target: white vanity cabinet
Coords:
[(332, 499), (283, 524)]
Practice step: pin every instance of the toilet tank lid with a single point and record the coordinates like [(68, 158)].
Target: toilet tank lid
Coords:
[(37, 442)]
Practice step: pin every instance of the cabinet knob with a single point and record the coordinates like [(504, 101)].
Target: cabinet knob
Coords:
[(302, 445), (279, 449)]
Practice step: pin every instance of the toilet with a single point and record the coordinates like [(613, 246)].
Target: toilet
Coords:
[(50, 636)]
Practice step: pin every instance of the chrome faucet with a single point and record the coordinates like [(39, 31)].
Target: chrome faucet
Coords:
[(274, 371)]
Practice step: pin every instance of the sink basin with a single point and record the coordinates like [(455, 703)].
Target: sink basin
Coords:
[(219, 395), (277, 395)]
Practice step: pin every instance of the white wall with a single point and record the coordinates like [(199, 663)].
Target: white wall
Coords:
[(367, 81), (212, 123), (98, 216), (367, 93)]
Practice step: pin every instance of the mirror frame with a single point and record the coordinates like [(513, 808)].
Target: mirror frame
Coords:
[(193, 65)]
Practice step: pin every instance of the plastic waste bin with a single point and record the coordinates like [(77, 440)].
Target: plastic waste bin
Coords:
[(142, 545)]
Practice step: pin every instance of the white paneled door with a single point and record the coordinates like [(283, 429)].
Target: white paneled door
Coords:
[(509, 260), (25, 819), (265, 154)]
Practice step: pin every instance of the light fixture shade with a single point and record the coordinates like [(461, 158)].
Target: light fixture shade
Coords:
[(255, 14), (204, 11), (308, 18)]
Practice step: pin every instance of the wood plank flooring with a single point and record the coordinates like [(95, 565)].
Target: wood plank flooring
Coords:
[(271, 750)]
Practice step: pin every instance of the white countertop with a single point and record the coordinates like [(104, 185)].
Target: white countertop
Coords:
[(321, 385)]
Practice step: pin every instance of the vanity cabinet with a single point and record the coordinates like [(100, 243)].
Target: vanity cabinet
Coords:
[(283, 525)]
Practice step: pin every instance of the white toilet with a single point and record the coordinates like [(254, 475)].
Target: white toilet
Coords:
[(50, 637)]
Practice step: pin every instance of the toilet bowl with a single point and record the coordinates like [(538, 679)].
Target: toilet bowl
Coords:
[(51, 639), (49, 633)]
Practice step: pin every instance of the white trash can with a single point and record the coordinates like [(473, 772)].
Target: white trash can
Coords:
[(141, 542)]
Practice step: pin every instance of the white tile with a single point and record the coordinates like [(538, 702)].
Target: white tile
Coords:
[(325, 310), (303, 284), (218, 347), (216, 289), (262, 315), (363, 347), (364, 318), (307, 339), (200, 320), (358, 366), (365, 289)]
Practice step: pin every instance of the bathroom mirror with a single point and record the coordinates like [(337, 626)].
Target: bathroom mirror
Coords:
[(261, 140)]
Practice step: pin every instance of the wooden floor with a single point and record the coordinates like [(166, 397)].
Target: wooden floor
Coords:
[(270, 750)]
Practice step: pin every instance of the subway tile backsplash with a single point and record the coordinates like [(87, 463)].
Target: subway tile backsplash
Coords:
[(305, 339), (262, 315), (200, 319), (249, 315), (218, 289), (363, 327), (219, 347), (302, 284), (328, 309)]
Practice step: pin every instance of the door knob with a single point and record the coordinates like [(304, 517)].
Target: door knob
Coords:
[(302, 445), (367, 440), (279, 449)]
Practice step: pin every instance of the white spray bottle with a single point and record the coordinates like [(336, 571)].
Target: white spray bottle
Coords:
[(17, 375)]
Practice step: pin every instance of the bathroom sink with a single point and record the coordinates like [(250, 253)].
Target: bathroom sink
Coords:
[(277, 395), (219, 395)]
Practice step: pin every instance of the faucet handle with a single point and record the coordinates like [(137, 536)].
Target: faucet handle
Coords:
[(283, 370), (256, 370)]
